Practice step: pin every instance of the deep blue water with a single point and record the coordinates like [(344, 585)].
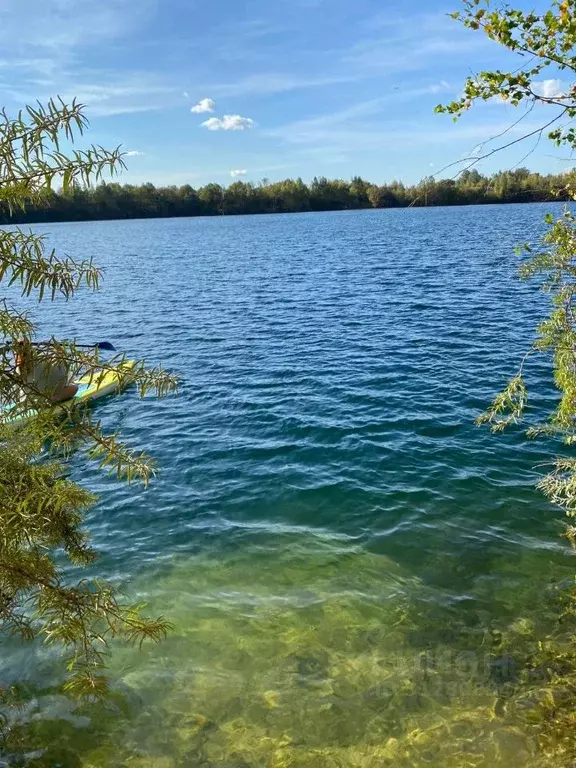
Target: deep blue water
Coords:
[(332, 367)]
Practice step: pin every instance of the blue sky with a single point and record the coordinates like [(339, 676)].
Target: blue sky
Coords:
[(309, 87)]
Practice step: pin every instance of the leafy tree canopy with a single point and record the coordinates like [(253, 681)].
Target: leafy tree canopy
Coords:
[(544, 43), (115, 201), (41, 511)]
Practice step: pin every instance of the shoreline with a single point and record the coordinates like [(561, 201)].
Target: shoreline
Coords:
[(15, 220)]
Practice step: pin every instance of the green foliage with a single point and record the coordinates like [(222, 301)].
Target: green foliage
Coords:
[(507, 407), (41, 511), (328, 655), (116, 201), (555, 264), (30, 148), (542, 41)]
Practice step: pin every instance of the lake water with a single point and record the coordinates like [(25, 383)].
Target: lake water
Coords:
[(354, 570)]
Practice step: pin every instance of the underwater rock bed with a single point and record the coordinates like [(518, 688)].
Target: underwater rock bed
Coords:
[(325, 656)]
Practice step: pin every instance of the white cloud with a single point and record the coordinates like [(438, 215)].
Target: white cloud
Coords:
[(440, 87), (46, 49), (408, 43), (384, 45), (228, 123), (206, 105), (186, 94), (134, 153), (58, 28), (343, 131), (549, 89), (123, 93), (276, 82), (239, 172)]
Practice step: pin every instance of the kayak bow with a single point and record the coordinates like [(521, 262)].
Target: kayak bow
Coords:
[(91, 387)]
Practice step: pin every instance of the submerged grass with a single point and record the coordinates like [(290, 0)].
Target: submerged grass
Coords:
[(317, 655)]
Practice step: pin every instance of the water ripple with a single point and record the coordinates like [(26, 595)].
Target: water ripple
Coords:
[(333, 365)]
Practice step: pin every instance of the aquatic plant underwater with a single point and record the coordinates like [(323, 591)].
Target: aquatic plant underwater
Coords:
[(328, 655)]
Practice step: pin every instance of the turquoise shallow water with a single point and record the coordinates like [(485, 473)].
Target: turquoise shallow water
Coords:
[(327, 513)]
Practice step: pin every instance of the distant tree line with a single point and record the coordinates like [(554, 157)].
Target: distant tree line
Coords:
[(127, 201)]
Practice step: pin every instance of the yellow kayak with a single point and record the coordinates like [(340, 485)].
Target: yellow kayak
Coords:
[(90, 387)]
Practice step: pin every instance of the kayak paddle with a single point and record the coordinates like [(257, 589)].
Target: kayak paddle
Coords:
[(100, 345), (105, 345)]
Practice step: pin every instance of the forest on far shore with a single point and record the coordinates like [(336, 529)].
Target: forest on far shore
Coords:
[(127, 201)]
